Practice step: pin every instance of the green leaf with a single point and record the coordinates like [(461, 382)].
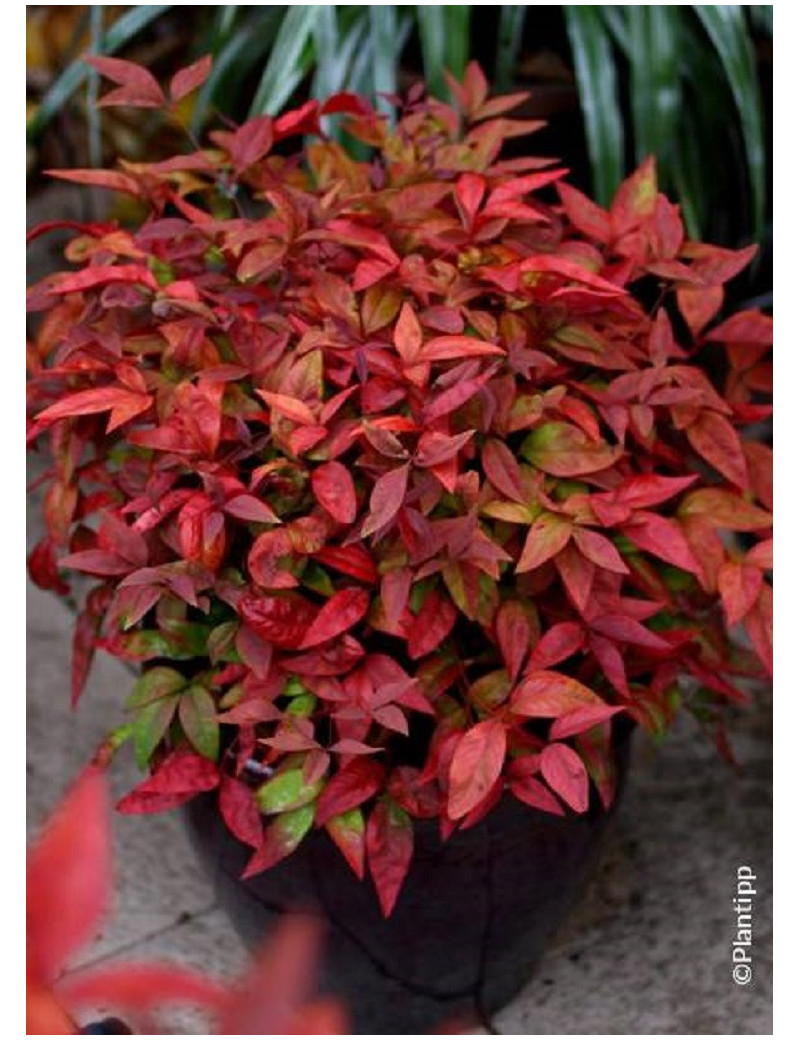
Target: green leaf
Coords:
[(509, 38), (444, 37), (198, 716), (595, 72), (285, 67), (150, 725), (383, 44), (152, 685), (303, 707), (120, 33), (727, 30), (286, 791), (655, 88)]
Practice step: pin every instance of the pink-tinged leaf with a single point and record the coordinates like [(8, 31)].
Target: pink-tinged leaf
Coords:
[(91, 277), (758, 626), (124, 405), (562, 450), (599, 550), (343, 610), (715, 440), (353, 560), (390, 847), (395, 588), (598, 756), (283, 620), (623, 629), (334, 490), (431, 626), (635, 199), (584, 214), (760, 555), (564, 771), (251, 142), (456, 348), (651, 489), (725, 509), (180, 777), (557, 644), (545, 694), (580, 719), (739, 587), (250, 509), (281, 838), (349, 834), (436, 448), (546, 538), (513, 629), (476, 766), (69, 877), (291, 407), (134, 989), (469, 191), (663, 538), (408, 335), (186, 80), (502, 469), (137, 87), (533, 792), (356, 782), (699, 305), (386, 499), (577, 573), (111, 179), (237, 806)]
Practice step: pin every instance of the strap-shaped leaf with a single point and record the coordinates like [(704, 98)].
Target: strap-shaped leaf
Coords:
[(727, 30), (509, 38), (444, 35), (286, 65), (595, 72)]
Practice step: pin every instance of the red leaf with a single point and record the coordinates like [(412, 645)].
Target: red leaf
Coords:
[(136, 988), (502, 469), (663, 538), (598, 549), (123, 405), (739, 586), (283, 620), (353, 560), (291, 407), (250, 142), (69, 877), (386, 499), (586, 216), (343, 610), (348, 832), (334, 490), (469, 191), (476, 765), (577, 573), (544, 694), (455, 348), (725, 509), (349, 788), (390, 848), (238, 809), (513, 629), (138, 87), (186, 80), (431, 626), (546, 538), (408, 335), (713, 438), (533, 792), (580, 719), (91, 277), (559, 642), (564, 771), (180, 777)]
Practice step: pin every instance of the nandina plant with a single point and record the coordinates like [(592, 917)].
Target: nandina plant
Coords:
[(399, 478)]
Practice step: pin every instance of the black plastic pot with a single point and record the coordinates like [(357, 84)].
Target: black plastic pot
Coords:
[(474, 915)]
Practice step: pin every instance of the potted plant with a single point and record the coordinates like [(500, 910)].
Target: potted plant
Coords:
[(404, 482)]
